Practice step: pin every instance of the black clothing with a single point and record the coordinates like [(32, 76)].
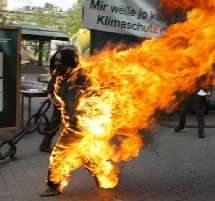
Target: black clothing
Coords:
[(54, 120), (198, 102), (54, 123), (50, 87), (71, 87)]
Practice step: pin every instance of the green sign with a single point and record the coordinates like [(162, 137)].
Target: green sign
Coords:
[(9, 77)]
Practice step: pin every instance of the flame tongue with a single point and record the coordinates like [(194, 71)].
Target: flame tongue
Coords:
[(185, 5), (127, 87)]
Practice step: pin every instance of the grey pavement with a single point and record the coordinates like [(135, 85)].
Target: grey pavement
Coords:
[(170, 167)]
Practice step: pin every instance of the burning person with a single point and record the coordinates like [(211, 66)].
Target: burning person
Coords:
[(79, 143), (70, 87), (101, 117), (68, 93)]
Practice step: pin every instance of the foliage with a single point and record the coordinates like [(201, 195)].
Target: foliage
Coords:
[(74, 18), (67, 22)]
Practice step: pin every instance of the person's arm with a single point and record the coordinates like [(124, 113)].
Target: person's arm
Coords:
[(50, 87), (210, 90)]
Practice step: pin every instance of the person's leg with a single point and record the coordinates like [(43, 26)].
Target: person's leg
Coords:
[(52, 188), (104, 173), (55, 122), (63, 152), (182, 116), (200, 113), (89, 167)]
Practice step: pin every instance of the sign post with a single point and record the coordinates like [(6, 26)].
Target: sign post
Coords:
[(138, 18), (124, 21), (10, 39)]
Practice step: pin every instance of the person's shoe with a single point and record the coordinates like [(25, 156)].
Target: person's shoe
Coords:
[(45, 149), (201, 134), (50, 191), (178, 128)]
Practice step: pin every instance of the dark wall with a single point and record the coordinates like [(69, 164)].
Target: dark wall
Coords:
[(100, 38)]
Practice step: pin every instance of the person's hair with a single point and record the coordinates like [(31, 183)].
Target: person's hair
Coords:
[(69, 57), (52, 66)]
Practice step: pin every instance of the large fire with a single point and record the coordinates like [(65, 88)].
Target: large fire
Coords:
[(128, 87)]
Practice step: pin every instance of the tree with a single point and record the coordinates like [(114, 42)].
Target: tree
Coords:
[(74, 18), (67, 22), (2, 4)]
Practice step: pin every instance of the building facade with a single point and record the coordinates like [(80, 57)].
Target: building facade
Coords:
[(17, 4)]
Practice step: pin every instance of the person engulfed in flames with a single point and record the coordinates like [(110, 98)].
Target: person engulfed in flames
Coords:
[(101, 113), (83, 141), (70, 85)]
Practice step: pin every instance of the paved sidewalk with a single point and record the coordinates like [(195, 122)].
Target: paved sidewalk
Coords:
[(171, 167), (191, 120)]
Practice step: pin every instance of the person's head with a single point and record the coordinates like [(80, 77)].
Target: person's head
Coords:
[(52, 64), (65, 59)]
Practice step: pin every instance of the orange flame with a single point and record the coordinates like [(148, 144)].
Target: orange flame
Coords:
[(127, 87), (185, 5)]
